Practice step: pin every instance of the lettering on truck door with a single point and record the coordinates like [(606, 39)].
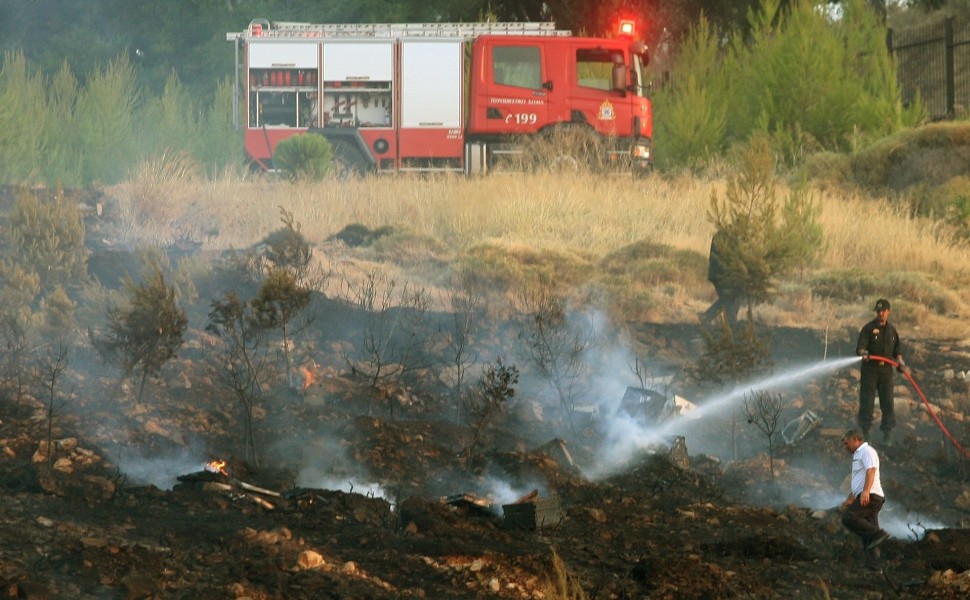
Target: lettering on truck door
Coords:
[(516, 102)]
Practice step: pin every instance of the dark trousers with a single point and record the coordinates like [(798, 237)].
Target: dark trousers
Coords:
[(864, 520), (876, 377), (728, 302)]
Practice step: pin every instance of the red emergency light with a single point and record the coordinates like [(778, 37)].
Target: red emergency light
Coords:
[(627, 29)]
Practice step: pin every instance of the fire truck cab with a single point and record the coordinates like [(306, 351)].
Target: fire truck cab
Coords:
[(440, 96)]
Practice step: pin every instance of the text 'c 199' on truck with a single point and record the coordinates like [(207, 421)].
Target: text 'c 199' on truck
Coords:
[(455, 97)]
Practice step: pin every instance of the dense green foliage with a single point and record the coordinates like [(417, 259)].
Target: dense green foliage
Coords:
[(47, 238), (41, 256), (763, 238), (56, 131), (188, 36), (304, 157), (91, 88), (808, 82)]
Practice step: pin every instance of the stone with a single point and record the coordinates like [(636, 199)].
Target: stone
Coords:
[(309, 559)]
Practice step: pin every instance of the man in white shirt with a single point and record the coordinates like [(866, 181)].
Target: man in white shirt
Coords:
[(860, 511)]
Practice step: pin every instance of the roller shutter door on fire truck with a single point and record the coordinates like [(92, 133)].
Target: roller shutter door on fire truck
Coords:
[(431, 98), (275, 102), (357, 78)]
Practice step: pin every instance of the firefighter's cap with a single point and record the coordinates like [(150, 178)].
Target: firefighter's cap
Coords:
[(882, 304)]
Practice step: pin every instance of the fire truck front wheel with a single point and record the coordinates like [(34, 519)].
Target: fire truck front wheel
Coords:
[(347, 160), (567, 149)]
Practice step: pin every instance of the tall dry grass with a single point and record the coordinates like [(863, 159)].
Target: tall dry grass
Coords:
[(878, 235), (592, 215)]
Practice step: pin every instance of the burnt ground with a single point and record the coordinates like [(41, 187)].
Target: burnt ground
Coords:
[(357, 497), (654, 529)]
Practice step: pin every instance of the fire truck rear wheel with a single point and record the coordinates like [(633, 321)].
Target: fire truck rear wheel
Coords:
[(347, 160)]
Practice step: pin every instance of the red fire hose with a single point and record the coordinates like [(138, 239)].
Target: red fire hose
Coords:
[(926, 402)]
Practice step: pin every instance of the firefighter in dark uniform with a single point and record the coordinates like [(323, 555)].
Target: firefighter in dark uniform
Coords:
[(878, 338), (728, 299)]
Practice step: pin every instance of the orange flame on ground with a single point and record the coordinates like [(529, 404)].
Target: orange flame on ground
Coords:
[(217, 466), (308, 378)]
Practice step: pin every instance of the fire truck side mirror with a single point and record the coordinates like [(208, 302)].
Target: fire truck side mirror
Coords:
[(640, 49), (547, 85)]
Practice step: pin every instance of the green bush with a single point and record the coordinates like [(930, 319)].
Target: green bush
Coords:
[(649, 264), (918, 289), (47, 238), (807, 82), (22, 114), (305, 156), (515, 267), (763, 238), (59, 131), (147, 331), (693, 122)]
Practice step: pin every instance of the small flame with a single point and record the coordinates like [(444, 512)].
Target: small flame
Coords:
[(308, 378), (217, 466)]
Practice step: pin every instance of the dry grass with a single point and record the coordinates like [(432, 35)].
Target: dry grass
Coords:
[(595, 217), (876, 235), (591, 214)]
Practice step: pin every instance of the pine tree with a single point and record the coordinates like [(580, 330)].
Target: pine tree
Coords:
[(763, 240), (146, 333), (241, 365), (281, 298)]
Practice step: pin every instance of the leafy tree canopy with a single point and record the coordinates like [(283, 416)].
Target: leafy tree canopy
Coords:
[(188, 37)]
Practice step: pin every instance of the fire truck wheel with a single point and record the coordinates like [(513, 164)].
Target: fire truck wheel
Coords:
[(568, 149), (347, 160)]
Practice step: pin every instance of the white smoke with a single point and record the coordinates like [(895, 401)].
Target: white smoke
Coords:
[(324, 465), (316, 478), (160, 471), (499, 491)]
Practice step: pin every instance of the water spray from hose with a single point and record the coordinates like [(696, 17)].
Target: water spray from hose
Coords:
[(926, 402)]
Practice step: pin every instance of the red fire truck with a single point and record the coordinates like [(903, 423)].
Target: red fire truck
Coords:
[(457, 97)]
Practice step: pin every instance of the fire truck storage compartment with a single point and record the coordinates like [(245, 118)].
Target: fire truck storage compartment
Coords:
[(431, 86), (431, 133), (282, 83), (357, 86), (282, 55)]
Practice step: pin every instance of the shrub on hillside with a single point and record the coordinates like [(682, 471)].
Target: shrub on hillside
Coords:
[(47, 238), (405, 247), (847, 287), (806, 81), (646, 263), (145, 333), (695, 109), (928, 155), (507, 267), (763, 238), (22, 113)]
